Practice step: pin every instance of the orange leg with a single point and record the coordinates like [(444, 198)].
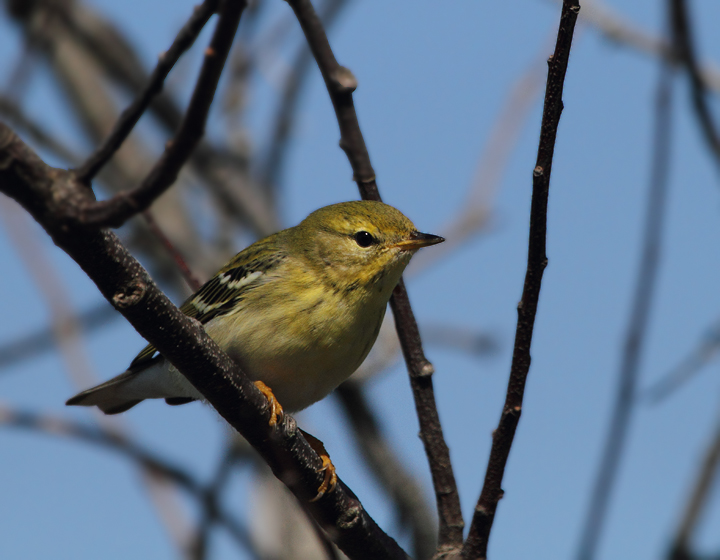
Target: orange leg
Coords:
[(330, 479), (276, 411)]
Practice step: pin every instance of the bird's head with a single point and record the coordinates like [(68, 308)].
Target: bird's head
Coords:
[(361, 245)]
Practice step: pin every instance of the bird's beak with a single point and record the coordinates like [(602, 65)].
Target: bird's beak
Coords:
[(419, 240)]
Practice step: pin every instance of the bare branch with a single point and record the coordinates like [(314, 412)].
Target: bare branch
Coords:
[(705, 350), (46, 192), (638, 322), (340, 84), (479, 534), (129, 118), (117, 210), (685, 49)]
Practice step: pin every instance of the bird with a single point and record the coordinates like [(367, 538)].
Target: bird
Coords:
[(298, 311)]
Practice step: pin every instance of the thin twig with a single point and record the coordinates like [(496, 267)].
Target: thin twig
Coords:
[(340, 84), (130, 116), (115, 211), (685, 50), (46, 192), (192, 280), (637, 322), (479, 533), (705, 350), (43, 340)]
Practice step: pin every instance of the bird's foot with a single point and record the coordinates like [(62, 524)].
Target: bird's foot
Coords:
[(276, 411), (330, 477)]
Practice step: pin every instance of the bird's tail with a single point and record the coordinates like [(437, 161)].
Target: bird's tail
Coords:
[(113, 396)]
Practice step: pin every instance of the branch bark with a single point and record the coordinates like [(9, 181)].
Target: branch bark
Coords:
[(479, 534)]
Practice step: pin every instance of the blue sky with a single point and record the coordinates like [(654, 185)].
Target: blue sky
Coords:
[(433, 80)]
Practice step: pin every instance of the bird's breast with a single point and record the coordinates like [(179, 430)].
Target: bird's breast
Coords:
[(303, 348)]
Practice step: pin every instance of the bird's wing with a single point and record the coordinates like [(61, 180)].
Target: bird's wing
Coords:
[(224, 291)]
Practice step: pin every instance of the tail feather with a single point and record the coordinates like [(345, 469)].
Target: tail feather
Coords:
[(155, 380), (109, 396)]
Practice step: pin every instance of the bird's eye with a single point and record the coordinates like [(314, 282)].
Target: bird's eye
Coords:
[(364, 239)]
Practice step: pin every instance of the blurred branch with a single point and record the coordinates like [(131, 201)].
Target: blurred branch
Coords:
[(14, 115), (49, 194), (136, 453), (288, 103), (685, 49), (616, 29), (30, 346), (698, 498), (192, 281), (396, 482), (703, 353), (117, 210), (474, 216), (479, 533), (211, 505), (340, 84), (637, 321), (129, 118)]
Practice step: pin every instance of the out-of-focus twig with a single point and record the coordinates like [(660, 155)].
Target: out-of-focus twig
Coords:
[(478, 536), (475, 213), (288, 104), (32, 345), (637, 321), (618, 30), (14, 115), (706, 349), (685, 49), (192, 280), (340, 84), (129, 118)]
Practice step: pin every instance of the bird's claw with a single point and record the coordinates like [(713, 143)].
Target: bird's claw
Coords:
[(330, 477), (329, 480), (276, 411)]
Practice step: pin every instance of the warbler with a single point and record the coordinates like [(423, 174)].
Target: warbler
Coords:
[(298, 311)]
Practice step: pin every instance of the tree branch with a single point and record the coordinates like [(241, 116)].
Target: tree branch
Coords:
[(47, 193), (340, 84), (129, 118), (683, 43), (115, 211), (479, 534)]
